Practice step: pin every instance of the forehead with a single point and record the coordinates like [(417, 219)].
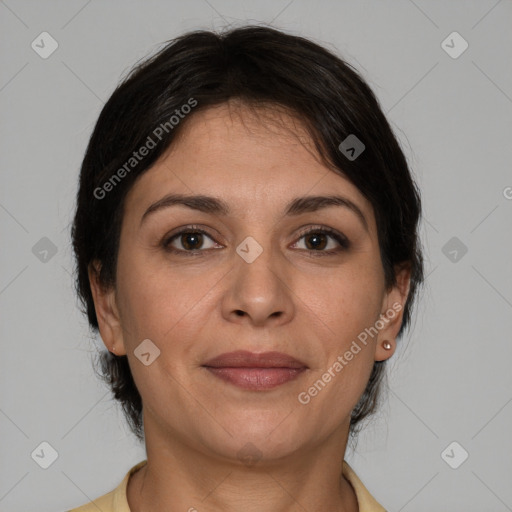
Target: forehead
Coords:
[(252, 159)]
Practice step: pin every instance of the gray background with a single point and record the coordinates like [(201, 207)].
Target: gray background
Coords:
[(450, 381)]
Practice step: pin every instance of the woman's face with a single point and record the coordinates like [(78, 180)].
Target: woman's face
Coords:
[(254, 282)]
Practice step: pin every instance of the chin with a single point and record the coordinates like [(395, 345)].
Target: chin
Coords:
[(262, 438)]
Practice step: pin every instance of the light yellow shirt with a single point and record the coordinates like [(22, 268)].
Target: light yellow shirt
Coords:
[(115, 501)]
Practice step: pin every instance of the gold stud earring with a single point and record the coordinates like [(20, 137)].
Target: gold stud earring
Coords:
[(387, 345)]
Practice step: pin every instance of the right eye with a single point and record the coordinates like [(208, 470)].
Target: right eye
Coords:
[(190, 239)]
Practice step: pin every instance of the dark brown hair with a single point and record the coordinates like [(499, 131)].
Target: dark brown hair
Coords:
[(257, 66)]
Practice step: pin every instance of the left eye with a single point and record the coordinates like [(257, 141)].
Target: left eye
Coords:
[(316, 240)]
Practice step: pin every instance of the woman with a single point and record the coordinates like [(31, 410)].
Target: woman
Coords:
[(246, 244)]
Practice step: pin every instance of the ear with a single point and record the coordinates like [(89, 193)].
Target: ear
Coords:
[(392, 312), (106, 311)]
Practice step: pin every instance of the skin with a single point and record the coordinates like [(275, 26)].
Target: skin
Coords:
[(309, 307)]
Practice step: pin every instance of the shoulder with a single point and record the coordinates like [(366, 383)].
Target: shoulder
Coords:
[(105, 504), (114, 501), (367, 503)]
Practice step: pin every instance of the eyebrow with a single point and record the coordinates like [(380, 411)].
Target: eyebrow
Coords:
[(216, 206)]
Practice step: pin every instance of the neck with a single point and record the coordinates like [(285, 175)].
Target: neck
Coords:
[(178, 476)]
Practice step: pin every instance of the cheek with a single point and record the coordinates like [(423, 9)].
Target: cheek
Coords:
[(161, 303), (347, 300)]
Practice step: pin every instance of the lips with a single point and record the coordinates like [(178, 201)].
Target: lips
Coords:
[(246, 359), (257, 372)]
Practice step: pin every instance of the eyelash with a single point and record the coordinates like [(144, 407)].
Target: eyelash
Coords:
[(341, 239)]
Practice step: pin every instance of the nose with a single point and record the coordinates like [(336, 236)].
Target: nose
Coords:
[(259, 292)]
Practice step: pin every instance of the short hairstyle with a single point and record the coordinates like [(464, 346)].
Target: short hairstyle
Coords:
[(258, 66)]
